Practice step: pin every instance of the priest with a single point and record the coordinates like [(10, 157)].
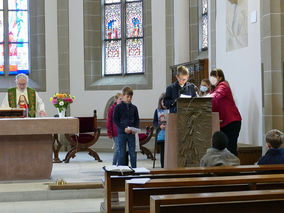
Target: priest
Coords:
[(24, 97)]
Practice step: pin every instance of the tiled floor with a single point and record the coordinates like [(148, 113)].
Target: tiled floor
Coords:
[(35, 197)]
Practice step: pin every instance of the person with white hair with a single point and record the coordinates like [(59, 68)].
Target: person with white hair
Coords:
[(34, 105)]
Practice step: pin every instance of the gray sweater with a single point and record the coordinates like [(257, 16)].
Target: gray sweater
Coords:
[(216, 157)]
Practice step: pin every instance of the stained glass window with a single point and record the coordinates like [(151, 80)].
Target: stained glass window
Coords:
[(204, 25), (15, 42), (112, 1), (134, 51), (123, 41)]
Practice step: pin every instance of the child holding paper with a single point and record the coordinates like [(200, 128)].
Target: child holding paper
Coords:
[(126, 115)]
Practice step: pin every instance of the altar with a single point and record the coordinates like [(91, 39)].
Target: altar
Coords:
[(26, 146)]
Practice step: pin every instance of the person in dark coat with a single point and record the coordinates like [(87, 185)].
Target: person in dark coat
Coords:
[(181, 86), (125, 116), (274, 155)]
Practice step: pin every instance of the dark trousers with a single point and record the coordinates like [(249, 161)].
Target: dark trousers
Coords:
[(162, 151), (128, 139), (232, 130)]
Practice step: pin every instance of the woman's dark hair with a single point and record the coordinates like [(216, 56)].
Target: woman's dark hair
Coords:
[(219, 73), (161, 98)]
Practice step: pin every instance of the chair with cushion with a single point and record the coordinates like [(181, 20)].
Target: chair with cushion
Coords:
[(88, 136)]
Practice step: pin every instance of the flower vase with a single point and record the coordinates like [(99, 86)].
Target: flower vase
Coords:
[(62, 113)]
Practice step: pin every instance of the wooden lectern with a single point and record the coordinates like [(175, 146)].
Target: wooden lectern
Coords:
[(189, 132)]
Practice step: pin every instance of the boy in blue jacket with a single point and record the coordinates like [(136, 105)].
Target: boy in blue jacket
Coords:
[(181, 86), (274, 155), (126, 115)]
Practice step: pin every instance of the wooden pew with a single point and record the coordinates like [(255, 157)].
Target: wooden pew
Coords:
[(137, 196), (260, 201), (115, 182)]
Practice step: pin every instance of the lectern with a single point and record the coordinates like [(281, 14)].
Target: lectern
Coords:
[(189, 132)]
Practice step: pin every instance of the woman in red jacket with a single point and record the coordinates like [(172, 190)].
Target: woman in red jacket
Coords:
[(223, 102)]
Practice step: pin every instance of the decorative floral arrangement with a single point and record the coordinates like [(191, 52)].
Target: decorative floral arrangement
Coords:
[(62, 100)]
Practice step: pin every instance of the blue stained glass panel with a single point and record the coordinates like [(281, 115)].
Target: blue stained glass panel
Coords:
[(19, 58), (1, 27), (2, 59), (113, 57), (134, 52), (17, 4), (113, 21), (204, 6), (112, 1), (134, 20), (18, 26), (204, 29)]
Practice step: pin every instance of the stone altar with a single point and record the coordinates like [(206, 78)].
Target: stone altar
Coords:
[(26, 146)]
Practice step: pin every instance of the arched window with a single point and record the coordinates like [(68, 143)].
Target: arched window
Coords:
[(14, 37), (123, 37), (203, 25)]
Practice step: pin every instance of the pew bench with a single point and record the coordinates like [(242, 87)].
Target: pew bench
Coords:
[(137, 196), (115, 182), (242, 201)]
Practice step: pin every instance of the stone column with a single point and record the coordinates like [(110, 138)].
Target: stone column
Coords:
[(63, 55), (169, 39), (272, 56), (212, 34)]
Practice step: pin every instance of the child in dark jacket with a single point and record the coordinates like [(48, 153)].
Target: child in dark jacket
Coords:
[(160, 123), (181, 86), (126, 115), (274, 155), (111, 128)]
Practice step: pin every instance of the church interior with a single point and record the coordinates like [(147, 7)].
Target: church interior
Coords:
[(87, 51)]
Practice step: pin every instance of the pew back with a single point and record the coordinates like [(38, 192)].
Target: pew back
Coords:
[(132, 190), (247, 201), (115, 182)]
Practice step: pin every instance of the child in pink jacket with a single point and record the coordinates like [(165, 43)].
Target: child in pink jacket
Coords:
[(111, 128)]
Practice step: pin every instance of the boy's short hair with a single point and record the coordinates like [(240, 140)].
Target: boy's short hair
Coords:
[(275, 138), (219, 140), (182, 70), (117, 95), (127, 91)]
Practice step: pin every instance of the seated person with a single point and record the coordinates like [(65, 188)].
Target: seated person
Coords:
[(274, 155), (218, 154)]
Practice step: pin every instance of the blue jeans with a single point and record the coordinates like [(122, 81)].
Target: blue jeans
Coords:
[(116, 151), (130, 140)]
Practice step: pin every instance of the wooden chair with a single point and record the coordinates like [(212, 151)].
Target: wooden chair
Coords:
[(88, 136), (144, 138)]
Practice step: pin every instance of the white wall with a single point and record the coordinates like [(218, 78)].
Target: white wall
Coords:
[(51, 56), (242, 69), (87, 101), (51, 48), (181, 31)]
